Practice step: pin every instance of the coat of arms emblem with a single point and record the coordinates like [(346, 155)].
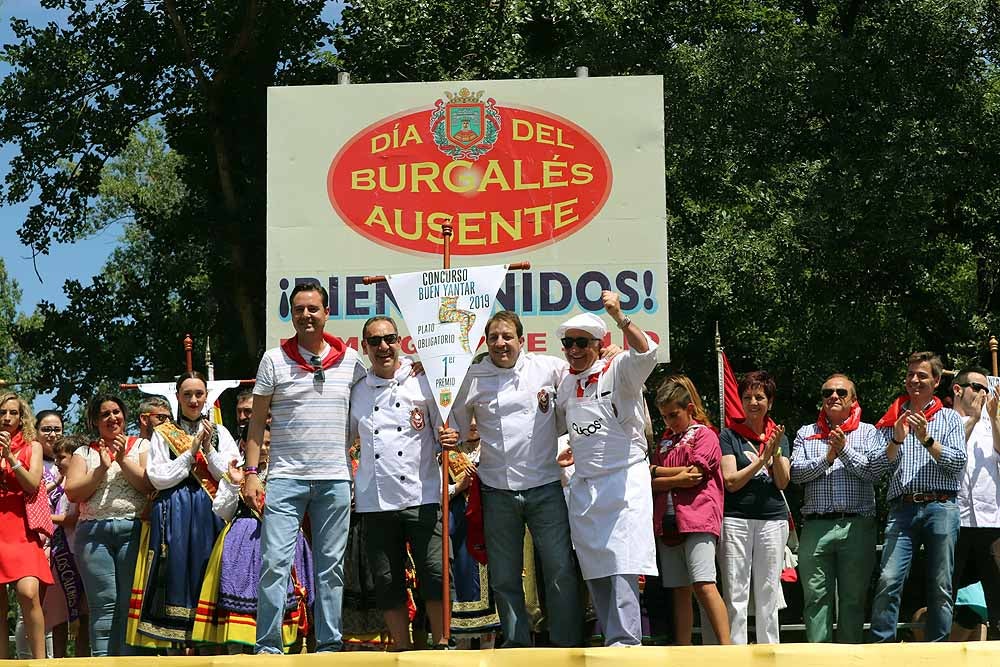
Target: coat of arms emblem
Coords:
[(465, 127), (416, 419)]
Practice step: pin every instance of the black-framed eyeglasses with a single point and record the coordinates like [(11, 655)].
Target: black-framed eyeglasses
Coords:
[(827, 392), (975, 387), (317, 364), (51, 429), (579, 341), (376, 341)]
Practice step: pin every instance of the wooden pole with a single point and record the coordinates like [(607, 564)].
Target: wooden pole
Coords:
[(446, 232), (993, 354), (188, 346)]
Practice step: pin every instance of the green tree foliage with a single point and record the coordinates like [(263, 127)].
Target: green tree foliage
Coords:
[(78, 104), (830, 165), (17, 368)]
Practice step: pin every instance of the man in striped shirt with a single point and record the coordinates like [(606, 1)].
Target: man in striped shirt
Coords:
[(305, 383), (837, 461), (925, 454)]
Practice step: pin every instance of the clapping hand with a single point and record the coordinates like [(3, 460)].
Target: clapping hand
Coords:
[(918, 424), (204, 436), (901, 428), (773, 445), (992, 403), (5, 444), (118, 446)]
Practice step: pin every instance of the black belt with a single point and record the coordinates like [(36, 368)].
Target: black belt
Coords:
[(928, 497), (830, 516)]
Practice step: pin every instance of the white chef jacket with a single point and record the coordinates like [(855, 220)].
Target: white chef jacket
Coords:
[(166, 473), (515, 413), (978, 495), (397, 420)]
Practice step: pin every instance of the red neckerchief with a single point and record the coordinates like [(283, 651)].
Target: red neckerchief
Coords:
[(747, 432), (850, 424), (97, 445), (896, 409), (337, 350), (581, 384), (669, 435)]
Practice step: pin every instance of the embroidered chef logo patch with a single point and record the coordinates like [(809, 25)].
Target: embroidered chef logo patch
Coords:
[(588, 429), (543, 401), (416, 419)]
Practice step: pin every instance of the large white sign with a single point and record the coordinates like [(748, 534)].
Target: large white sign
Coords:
[(567, 174)]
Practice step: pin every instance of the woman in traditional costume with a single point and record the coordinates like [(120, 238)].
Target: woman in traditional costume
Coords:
[(107, 480), (227, 606), (186, 462), (23, 561), (473, 613)]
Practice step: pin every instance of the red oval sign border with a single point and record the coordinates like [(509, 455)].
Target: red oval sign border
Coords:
[(541, 244)]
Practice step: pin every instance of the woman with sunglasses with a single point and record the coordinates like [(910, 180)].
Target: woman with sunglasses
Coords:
[(187, 460), (108, 481), (755, 470), (837, 463), (23, 561)]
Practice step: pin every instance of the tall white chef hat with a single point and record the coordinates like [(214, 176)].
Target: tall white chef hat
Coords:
[(588, 322)]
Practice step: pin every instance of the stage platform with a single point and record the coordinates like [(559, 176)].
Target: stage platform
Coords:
[(972, 654)]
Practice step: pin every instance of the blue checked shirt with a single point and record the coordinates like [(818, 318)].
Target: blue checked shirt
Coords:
[(846, 485), (915, 470)]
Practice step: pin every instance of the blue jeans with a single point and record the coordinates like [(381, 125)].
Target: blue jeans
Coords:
[(106, 551), (543, 510), (935, 525), (328, 503)]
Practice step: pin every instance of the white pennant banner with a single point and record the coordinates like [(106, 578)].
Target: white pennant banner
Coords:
[(446, 311)]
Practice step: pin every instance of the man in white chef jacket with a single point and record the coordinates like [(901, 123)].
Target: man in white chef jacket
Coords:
[(511, 394), (397, 486), (610, 505)]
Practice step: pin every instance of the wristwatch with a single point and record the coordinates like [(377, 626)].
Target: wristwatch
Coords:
[(929, 442)]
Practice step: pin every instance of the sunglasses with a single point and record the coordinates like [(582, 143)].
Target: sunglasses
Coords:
[(827, 392), (158, 418), (317, 364), (376, 341), (51, 429), (581, 342), (975, 387)]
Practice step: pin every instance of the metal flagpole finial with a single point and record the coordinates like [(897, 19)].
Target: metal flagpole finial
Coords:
[(209, 366), (718, 338)]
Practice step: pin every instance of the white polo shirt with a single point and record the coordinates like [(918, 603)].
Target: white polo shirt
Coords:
[(397, 421), (978, 496), (515, 411), (309, 426)]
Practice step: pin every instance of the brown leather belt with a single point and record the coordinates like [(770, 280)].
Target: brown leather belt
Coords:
[(928, 497)]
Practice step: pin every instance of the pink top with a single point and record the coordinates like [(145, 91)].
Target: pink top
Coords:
[(698, 508)]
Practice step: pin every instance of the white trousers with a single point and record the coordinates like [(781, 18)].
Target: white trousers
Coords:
[(753, 550)]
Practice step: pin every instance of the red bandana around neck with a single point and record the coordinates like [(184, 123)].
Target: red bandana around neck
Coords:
[(896, 409), (744, 430), (592, 378), (850, 424), (337, 349)]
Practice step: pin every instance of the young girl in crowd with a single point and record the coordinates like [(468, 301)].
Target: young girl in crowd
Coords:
[(688, 497), (227, 605), (65, 601)]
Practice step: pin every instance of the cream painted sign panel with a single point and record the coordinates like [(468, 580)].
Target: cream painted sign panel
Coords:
[(564, 173)]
